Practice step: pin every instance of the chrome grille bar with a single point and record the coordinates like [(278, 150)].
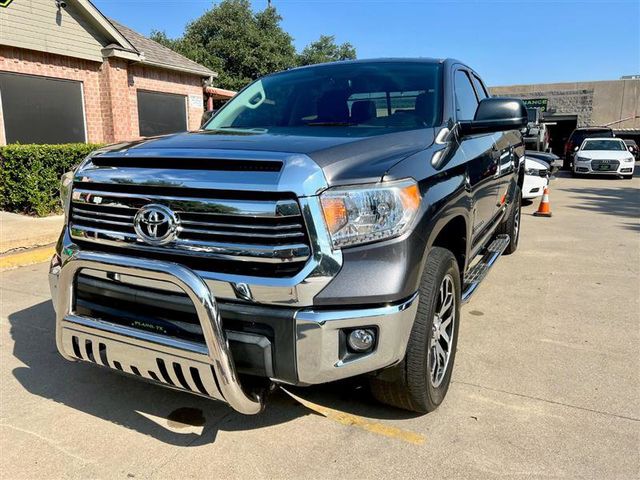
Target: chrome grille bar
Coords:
[(243, 234), (244, 208)]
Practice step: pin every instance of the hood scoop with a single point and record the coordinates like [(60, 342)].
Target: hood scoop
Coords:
[(182, 163)]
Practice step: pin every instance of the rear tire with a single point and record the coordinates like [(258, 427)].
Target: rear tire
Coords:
[(420, 382), (511, 225)]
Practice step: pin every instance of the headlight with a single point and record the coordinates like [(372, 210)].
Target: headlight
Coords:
[(362, 214), (583, 159), (531, 171), (66, 184), (630, 159)]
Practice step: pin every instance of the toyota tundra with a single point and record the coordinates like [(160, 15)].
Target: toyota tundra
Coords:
[(326, 223)]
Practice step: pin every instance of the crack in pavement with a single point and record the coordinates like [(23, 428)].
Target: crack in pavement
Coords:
[(568, 405), (48, 441)]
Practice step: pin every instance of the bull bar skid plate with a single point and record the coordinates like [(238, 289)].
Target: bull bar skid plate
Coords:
[(202, 369)]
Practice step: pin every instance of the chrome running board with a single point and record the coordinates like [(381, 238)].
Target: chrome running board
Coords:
[(478, 272), (201, 369)]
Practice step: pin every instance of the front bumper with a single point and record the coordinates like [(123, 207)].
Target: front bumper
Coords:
[(533, 186), (586, 168), (208, 368)]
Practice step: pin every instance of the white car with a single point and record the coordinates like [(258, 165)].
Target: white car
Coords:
[(604, 156), (536, 177)]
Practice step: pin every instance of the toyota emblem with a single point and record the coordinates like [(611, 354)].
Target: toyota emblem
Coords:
[(156, 224)]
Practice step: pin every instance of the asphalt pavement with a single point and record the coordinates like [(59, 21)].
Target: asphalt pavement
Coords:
[(546, 381)]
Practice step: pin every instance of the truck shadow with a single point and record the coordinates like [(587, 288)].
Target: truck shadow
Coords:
[(172, 417)]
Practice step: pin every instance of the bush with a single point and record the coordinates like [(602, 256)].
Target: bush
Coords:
[(30, 175)]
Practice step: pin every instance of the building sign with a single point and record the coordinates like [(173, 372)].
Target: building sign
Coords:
[(540, 103), (5, 3), (195, 101)]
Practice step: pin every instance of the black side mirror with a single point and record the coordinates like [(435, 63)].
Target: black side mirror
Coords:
[(496, 115)]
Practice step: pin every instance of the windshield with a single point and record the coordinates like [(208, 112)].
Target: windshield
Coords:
[(578, 136), (373, 96), (604, 145)]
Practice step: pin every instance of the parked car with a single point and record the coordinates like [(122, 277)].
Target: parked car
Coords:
[(549, 158), (577, 137), (328, 223), (536, 177), (632, 146), (604, 156)]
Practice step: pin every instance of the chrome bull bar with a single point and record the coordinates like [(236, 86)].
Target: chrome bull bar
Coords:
[(202, 369)]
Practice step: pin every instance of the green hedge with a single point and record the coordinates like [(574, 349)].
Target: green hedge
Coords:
[(30, 175)]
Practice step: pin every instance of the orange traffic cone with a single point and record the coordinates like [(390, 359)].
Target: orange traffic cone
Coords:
[(544, 210)]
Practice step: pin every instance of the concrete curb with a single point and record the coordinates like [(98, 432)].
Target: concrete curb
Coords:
[(19, 233), (26, 257)]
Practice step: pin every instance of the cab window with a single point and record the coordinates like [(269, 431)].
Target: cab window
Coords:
[(482, 93), (466, 101)]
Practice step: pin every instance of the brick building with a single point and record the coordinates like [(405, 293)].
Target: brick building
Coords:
[(69, 74)]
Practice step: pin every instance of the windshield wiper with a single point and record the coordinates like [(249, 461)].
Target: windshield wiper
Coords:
[(329, 124)]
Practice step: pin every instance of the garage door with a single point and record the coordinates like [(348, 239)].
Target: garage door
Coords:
[(161, 113), (41, 110)]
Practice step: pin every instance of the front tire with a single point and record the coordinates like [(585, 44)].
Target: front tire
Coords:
[(511, 225), (420, 382)]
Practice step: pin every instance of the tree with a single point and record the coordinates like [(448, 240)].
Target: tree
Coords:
[(325, 49), (235, 42)]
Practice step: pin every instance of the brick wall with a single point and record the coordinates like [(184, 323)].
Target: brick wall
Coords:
[(110, 89)]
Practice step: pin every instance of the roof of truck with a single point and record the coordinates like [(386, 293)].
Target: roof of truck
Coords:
[(382, 60)]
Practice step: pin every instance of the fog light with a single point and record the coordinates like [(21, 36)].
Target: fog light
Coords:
[(361, 340)]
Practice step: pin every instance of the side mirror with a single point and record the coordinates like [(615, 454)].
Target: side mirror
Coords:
[(496, 115), (630, 148), (575, 149)]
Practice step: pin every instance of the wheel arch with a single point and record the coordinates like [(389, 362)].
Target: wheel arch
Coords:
[(453, 234)]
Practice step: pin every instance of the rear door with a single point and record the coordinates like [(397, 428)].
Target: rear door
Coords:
[(480, 153)]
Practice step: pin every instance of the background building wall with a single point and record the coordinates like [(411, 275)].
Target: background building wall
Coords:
[(40, 25), (595, 103), (109, 89)]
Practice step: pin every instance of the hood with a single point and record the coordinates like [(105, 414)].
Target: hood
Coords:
[(362, 155), (604, 154), (535, 164)]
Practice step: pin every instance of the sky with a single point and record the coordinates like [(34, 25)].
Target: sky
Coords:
[(507, 41)]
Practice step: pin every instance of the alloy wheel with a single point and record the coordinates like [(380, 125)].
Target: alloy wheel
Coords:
[(440, 347), (516, 225)]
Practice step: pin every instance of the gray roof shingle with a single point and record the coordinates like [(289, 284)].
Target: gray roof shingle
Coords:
[(159, 55)]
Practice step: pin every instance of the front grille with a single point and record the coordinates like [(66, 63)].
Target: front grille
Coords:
[(597, 164), (256, 234)]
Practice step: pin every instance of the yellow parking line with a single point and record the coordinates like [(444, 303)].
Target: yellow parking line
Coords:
[(29, 257), (360, 422)]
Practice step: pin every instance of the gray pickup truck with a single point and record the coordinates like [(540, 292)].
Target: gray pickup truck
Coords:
[(326, 223)]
